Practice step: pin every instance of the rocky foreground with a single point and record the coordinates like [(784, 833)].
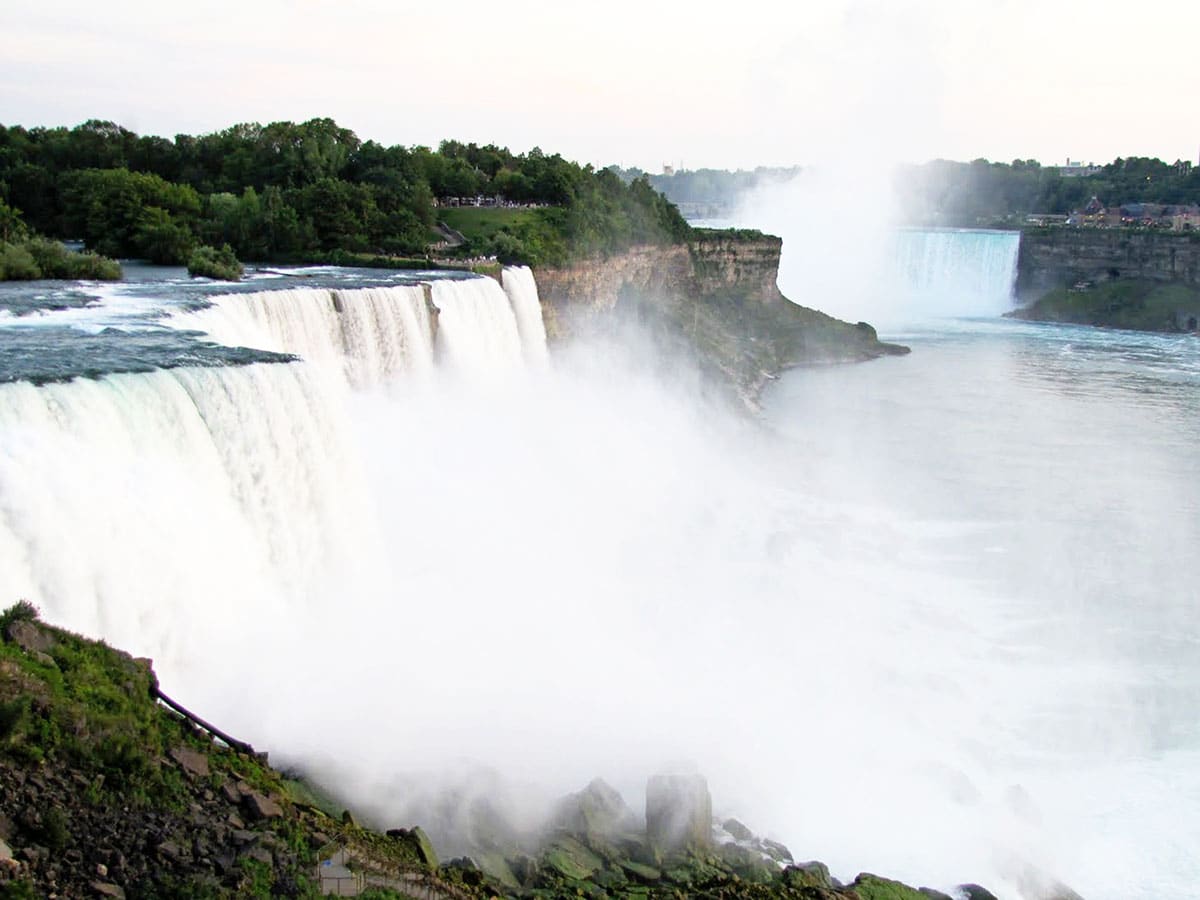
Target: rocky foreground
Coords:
[(106, 791)]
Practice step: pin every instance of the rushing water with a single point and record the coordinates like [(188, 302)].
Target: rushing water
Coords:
[(1048, 684), (933, 616)]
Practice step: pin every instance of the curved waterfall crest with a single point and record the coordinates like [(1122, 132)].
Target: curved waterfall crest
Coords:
[(375, 334), (957, 271), (262, 458)]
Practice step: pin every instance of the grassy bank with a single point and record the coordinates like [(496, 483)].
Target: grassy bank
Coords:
[(1135, 304)]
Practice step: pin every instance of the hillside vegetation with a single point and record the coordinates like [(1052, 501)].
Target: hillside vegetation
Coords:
[(304, 192), (1142, 305)]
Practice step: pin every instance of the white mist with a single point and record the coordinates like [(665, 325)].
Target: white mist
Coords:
[(891, 624)]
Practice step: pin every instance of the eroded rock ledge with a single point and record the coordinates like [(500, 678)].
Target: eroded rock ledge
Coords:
[(717, 296)]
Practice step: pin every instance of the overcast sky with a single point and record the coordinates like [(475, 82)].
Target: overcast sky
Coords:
[(732, 84)]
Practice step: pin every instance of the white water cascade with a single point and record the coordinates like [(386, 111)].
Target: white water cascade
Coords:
[(523, 294), (146, 508), (956, 272), (376, 334), (156, 509), (371, 333)]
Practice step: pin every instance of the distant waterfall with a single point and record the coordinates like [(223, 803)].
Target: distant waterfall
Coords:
[(957, 272)]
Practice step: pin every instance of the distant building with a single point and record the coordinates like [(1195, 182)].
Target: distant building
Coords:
[(668, 170), (1076, 169)]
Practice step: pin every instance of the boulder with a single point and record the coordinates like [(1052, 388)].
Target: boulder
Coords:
[(737, 830), (5, 852), (418, 841), (107, 889), (259, 807), (678, 811), (747, 864), (641, 872), (776, 851), (975, 892), (30, 636), (191, 761), (570, 858), (872, 887), (497, 867), (808, 875), (596, 810)]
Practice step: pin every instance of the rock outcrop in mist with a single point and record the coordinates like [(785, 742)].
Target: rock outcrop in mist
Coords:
[(715, 299)]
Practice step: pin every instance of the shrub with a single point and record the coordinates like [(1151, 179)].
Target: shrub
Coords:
[(11, 714), (39, 257), (93, 267), (54, 829), (16, 264), (56, 261), (210, 262), (21, 611)]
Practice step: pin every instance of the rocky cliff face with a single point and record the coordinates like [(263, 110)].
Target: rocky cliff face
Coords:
[(715, 298), (1060, 257)]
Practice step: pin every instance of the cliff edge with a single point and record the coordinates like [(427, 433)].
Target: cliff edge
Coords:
[(717, 297), (1110, 277)]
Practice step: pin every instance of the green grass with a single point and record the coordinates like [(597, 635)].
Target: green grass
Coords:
[(872, 887), (1124, 303), (480, 222)]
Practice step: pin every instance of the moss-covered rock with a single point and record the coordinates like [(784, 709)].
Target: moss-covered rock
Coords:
[(570, 858), (872, 887)]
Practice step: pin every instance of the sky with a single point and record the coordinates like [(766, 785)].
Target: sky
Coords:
[(696, 84)]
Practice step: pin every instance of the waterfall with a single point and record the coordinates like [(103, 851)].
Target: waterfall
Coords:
[(152, 508), (522, 293), (957, 272), (477, 334), (116, 492), (373, 335)]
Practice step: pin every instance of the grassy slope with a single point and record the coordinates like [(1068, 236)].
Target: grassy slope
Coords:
[(480, 222), (1139, 305), (86, 760)]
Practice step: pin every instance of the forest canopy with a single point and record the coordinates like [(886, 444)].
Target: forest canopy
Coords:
[(303, 192)]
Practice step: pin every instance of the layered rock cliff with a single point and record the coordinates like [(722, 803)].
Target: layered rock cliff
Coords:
[(1115, 278), (1061, 257), (717, 297)]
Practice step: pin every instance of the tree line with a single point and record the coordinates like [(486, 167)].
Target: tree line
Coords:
[(943, 192), (980, 192), (298, 192)]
